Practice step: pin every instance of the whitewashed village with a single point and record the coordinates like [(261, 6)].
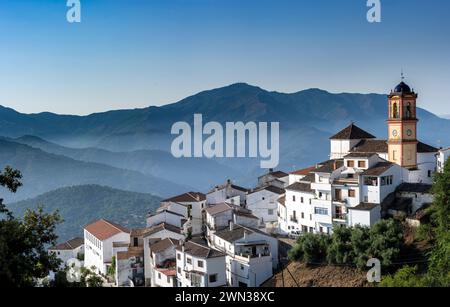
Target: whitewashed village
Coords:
[(229, 236)]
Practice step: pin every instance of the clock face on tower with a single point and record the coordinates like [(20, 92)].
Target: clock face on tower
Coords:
[(394, 133), (409, 132)]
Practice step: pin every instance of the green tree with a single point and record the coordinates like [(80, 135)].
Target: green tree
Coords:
[(405, 277), (439, 267), (340, 250), (23, 255), (311, 248)]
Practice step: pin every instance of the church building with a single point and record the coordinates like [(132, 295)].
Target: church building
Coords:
[(359, 184)]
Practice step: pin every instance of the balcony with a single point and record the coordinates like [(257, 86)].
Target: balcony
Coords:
[(340, 218), (345, 181), (293, 219)]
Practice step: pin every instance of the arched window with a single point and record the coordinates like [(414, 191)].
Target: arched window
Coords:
[(408, 110), (395, 111)]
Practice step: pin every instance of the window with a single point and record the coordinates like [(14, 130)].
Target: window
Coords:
[(321, 211), (361, 164), (293, 197), (168, 279), (351, 193), (200, 264), (301, 200), (242, 267), (135, 242), (159, 275), (213, 278), (321, 229), (263, 198), (408, 110), (189, 260), (350, 163), (310, 217), (270, 211), (395, 111), (303, 215), (179, 256), (310, 202), (429, 174), (371, 181)]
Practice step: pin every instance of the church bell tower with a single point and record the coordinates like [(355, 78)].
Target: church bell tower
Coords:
[(402, 126)]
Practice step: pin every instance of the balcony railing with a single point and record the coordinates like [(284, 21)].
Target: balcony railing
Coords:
[(340, 216), (293, 219)]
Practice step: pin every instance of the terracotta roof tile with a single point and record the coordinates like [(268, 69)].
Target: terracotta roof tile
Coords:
[(187, 197), (352, 132), (104, 229)]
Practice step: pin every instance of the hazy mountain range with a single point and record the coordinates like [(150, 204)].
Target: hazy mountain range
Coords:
[(130, 149), (80, 205)]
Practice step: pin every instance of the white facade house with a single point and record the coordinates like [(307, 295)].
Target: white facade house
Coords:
[(153, 235), (194, 202), (98, 243), (200, 266), (441, 158), (229, 193), (166, 216), (273, 178), (263, 203), (72, 249), (163, 263), (251, 255), (130, 267), (219, 216)]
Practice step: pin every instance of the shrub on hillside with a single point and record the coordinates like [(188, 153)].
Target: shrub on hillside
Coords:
[(310, 248)]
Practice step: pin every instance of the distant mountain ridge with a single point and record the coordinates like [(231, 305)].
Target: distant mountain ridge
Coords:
[(140, 139), (80, 205), (43, 171)]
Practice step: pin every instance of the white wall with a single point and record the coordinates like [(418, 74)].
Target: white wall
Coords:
[(426, 164), (340, 148), (164, 217), (364, 217), (261, 203), (442, 158), (296, 205)]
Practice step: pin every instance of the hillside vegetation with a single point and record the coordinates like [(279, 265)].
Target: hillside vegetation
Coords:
[(80, 205)]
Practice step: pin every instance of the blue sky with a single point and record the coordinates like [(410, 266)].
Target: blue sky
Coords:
[(136, 53)]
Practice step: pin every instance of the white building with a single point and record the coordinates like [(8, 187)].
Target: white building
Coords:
[(166, 216), (98, 243), (153, 235), (274, 178), (219, 216), (263, 203), (441, 158), (251, 255), (200, 266), (130, 267), (194, 202), (229, 193), (163, 270), (72, 249)]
